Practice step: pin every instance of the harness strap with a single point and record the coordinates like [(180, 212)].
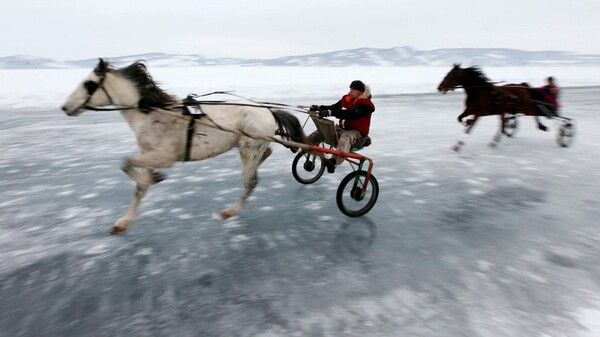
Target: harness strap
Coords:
[(189, 103), (190, 136)]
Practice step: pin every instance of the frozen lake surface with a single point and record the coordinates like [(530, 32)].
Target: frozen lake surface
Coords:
[(489, 242)]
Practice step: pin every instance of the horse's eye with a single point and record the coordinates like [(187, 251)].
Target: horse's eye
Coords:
[(90, 86)]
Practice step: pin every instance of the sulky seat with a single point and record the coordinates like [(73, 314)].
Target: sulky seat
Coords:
[(330, 136)]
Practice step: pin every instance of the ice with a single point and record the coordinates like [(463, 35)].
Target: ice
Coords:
[(488, 242)]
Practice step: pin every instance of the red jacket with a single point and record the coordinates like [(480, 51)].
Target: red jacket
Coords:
[(550, 93), (354, 114)]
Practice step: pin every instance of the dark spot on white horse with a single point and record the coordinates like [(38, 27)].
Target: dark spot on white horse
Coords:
[(90, 87)]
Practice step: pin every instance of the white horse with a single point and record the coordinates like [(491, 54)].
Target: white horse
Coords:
[(162, 132)]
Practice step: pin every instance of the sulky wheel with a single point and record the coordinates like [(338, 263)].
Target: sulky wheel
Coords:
[(510, 126), (351, 199), (307, 167), (566, 134)]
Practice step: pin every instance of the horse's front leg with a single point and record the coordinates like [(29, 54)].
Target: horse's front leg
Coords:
[(463, 115), (144, 178), (498, 135), (540, 125), (459, 144), (471, 124), (252, 155), (123, 223)]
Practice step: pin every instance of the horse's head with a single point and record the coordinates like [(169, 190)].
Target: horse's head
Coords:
[(130, 87), (91, 92), (453, 79)]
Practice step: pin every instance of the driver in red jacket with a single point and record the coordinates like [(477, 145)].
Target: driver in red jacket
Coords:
[(354, 113)]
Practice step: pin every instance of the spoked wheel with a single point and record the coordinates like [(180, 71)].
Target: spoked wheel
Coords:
[(510, 126), (307, 167), (566, 133), (351, 199)]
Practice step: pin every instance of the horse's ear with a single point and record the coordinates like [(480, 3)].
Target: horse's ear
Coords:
[(101, 68), (456, 65)]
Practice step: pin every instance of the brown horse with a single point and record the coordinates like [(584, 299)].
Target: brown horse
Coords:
[(484, 99)]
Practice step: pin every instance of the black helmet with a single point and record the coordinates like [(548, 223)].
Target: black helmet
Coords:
[(357, 85)]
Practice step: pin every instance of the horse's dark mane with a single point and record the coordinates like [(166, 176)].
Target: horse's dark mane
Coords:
[(151, 95), (480, 77)]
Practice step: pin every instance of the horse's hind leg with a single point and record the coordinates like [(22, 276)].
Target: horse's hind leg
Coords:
[(251, 157)]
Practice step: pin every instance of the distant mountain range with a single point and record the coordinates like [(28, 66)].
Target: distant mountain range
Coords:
[(400, 56)]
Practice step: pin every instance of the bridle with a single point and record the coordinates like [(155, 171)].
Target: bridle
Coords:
[(92, 87)]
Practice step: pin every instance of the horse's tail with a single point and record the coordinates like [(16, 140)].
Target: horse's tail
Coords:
[(289, 126)]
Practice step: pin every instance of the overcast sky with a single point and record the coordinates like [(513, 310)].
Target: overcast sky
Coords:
[(77, 29)]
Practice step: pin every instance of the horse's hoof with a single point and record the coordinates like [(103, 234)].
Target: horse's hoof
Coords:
[(456, 148), (229, 212), (493, 144), (118, 230), (543, 128), (157, 177)]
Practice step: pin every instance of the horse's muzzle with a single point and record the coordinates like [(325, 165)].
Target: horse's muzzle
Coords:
[(71, 112)]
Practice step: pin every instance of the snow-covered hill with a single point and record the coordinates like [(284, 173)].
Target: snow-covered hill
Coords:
[(400, 56)]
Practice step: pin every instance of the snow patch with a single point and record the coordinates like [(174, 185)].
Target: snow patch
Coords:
[(590, 319)]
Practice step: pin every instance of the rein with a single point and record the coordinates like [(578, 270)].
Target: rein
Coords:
[(504, 92), (193, 102), (92, 108), (193, 118)]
